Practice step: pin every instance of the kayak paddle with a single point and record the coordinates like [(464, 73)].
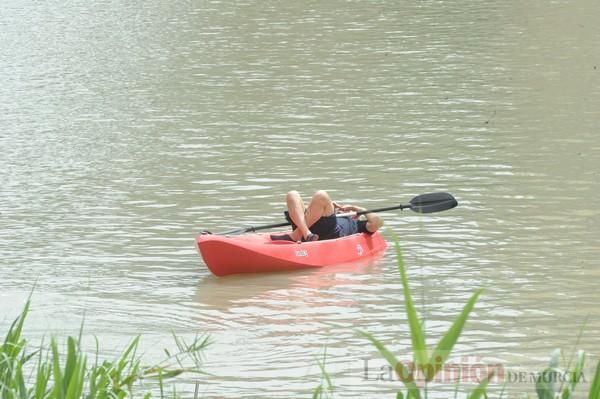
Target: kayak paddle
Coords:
[(424, 203)]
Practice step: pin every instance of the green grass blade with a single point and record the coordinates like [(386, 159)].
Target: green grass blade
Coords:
[(12, 383), (318, 392), (94, 373), (324, 373), (160, 383), (574, 376), (124, 360), (577, 341), (46, 379), (545, 384), (481, 389), (595, 387), (543, 390), (42, 376), (416, 332), (100, 384), (410, 395), (405, 375), (76, 380), (71, 364), (444, 348), (13, 344), (57, 391), (19, 381)]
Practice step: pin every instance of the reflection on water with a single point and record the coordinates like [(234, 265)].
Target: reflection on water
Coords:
[(126, 129), (223, 292)]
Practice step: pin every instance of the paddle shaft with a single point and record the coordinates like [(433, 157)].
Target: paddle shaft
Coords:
[(424, 203), (251, 229), (389, 208)]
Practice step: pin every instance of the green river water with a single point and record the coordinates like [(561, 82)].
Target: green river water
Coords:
[(127, 127)]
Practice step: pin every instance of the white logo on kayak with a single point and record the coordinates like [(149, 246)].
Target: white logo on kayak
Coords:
[(301, 252), (359, 249)]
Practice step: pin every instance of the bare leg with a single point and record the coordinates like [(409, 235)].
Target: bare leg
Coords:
[(320, 205), (295, 207)]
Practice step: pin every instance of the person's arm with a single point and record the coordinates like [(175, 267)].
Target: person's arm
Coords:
[(373, 223), (348, 208)]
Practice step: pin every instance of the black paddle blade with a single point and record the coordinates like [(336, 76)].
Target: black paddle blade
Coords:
[(433, 202)]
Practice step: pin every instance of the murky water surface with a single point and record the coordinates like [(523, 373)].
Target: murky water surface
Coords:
[(128, 127)]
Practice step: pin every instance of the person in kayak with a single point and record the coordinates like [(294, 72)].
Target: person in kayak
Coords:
[(319, 220)]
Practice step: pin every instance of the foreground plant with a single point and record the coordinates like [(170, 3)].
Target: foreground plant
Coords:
[(595, 388), (52, 376), (552, 383), (425, 362), (325, 389), (556, 382)]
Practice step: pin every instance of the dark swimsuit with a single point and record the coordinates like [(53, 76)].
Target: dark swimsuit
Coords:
[(330, 227)]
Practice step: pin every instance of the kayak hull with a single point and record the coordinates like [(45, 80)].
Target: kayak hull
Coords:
[(257, 253)]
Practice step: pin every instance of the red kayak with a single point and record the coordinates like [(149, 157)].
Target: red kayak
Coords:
[(255, 253)]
